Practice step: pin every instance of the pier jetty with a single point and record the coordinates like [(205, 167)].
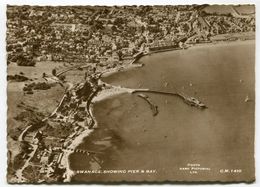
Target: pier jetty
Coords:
[(188, 100)]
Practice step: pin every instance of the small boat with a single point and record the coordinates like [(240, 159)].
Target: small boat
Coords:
[(247, 99), (194, 102)]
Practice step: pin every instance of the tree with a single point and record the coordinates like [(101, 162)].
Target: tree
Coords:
[(62, 78), (119, 21), (203, 13), (120, 54), (98, 25), (54, 72), (25, 60), (113, 28)]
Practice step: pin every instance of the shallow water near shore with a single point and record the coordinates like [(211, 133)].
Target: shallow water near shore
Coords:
[(129, 137)]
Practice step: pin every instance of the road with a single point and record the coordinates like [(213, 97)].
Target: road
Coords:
[(20, 138), (19, 172)]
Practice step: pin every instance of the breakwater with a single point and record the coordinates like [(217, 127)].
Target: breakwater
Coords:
[(153, 107)]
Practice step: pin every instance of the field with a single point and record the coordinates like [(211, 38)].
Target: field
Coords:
[(34, 72), (219, 9), (42, 102), (246, 9), (229, 9)]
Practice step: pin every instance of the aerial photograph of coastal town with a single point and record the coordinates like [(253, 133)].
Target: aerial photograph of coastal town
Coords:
[(130, 93)]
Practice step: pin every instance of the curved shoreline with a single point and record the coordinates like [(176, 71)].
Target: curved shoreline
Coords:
[(116, 90), (96, 96)]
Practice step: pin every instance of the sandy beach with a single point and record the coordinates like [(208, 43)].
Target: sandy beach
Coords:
[(102, 95), (65, 160)]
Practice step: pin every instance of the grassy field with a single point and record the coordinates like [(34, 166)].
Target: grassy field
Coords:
[(36, 71), (219, 9), (41, 101), (245, 9), (226, 9)]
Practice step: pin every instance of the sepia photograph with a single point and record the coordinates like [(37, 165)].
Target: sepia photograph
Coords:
[(130, 93)]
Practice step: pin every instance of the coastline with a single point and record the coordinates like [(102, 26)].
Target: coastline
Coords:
[(101, 95), (112, 91), (205, 44), (65, 160), (79, 110)]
